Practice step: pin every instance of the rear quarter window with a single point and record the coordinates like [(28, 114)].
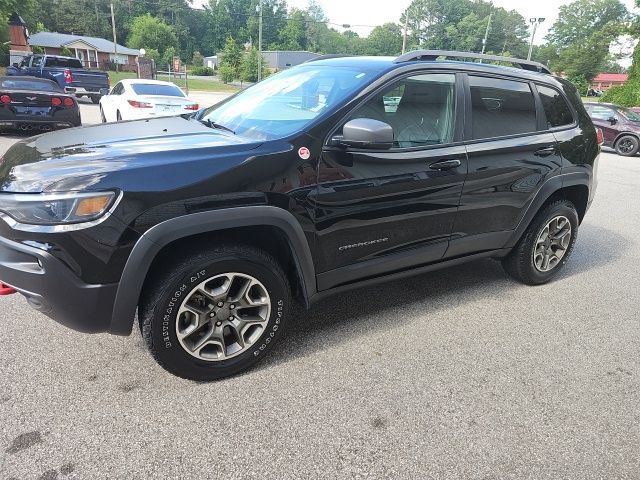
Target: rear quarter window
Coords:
[(555, 107)]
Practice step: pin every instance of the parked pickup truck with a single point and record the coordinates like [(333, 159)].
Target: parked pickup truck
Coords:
[(67, 72)]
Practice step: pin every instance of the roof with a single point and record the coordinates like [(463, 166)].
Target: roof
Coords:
[(611, 77), (59, 40), (384, 64)]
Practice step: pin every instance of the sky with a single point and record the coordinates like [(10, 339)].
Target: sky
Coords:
[(363, 15)]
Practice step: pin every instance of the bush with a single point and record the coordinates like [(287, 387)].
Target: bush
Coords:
[(627, 95), (202, 71), (65, 52), (227, 73)]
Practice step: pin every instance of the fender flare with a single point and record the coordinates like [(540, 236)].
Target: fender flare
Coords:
[(153, 240), (545, 192)]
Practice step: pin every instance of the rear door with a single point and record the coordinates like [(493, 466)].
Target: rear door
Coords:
[(510, 153), (379, 211)]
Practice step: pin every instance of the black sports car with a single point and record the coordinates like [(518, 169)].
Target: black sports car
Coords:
[(36, 104)]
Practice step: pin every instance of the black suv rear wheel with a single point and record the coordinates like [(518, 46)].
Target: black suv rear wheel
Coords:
[(215, 313), (545, 246)]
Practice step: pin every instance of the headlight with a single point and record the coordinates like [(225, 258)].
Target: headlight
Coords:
[(56, 209)]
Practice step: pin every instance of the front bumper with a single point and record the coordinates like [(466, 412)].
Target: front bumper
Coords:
[(53, 289)]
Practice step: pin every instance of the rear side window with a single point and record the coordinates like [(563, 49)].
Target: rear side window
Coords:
[(63, 62), (555, 107), (501, 107)]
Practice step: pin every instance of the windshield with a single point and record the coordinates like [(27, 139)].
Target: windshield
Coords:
[(288, 101), (157, 89), (629, 114)]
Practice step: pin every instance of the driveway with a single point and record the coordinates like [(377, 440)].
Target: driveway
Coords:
[(462, 373)]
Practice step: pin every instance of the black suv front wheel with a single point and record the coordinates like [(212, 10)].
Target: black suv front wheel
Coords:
[(545, 246), (215, 313)]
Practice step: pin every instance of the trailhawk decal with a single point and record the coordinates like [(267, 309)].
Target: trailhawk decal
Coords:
[(363, 244)]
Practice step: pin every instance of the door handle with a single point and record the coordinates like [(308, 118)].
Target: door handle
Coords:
[(545, 152), (445, 165)]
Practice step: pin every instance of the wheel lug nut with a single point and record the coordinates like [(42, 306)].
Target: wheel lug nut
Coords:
[(231, 317), (232, 306), (218, 324), (212, 314), (220, 304)]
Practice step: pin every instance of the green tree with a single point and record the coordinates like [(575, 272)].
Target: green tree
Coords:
[(149, 32), (384, 40), (197, 60), (294, 35), (461, 25), (582, 35), (628, 95), (249, 67), (231, 58)]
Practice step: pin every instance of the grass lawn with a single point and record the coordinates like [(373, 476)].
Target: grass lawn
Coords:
[(194, 84)]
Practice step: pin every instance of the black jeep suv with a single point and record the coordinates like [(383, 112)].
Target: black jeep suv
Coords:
[(338, 173)]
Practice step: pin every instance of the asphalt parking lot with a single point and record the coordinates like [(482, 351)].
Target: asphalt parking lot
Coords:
[(461, 373)]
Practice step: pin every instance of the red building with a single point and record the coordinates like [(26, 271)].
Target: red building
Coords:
[(605, 80)]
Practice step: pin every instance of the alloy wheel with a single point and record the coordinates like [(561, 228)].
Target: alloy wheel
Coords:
[(223, 316), (552, 243), (626, 145)]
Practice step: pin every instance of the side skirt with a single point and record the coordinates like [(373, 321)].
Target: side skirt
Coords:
[(409, 273)]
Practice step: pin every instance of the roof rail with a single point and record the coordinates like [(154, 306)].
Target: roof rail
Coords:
[(433, 55), (329, 55)]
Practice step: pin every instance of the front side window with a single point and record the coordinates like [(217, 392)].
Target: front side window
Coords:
[(501, 107), (420, 109), (555, 107), (288, 101), (37, 61)]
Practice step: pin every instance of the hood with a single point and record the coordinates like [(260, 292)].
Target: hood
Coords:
[(103, 156)]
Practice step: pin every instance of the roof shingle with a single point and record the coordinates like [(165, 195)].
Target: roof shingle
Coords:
[(58, 40)]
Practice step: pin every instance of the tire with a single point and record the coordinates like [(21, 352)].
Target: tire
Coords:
[(523, 264), (162, 312), (102, 117), (627, 145), (95, 99), (118, 116)]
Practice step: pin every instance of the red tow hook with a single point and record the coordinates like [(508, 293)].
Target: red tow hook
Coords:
[(6, 289)]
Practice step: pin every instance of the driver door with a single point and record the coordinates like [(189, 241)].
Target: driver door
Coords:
[(385, 210)]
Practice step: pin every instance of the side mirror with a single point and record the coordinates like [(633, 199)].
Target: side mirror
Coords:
[(104, 91), (366, 133), (16, 64), (612, 120)]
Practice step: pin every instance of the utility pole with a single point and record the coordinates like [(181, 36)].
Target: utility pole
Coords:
[(535, 22), (486, 34), (406, 25), (259, 40), (115, 40)]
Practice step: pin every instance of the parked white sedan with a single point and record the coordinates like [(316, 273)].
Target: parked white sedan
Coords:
[(134, 99)]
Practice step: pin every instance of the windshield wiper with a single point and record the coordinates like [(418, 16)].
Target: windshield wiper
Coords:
[(217, 126)]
